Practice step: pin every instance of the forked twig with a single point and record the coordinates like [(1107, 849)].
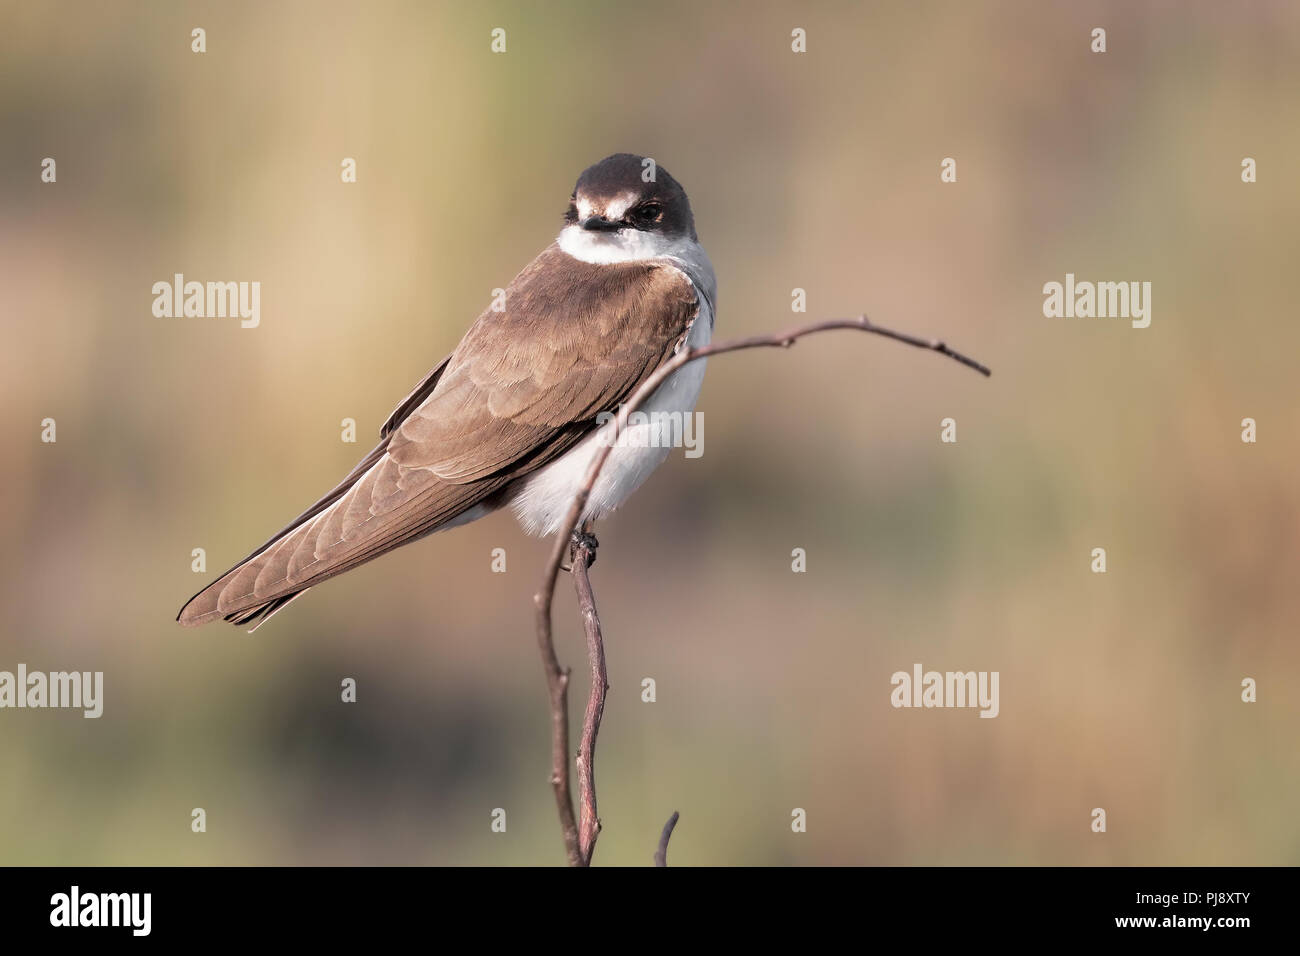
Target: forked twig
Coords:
[(580, 843)]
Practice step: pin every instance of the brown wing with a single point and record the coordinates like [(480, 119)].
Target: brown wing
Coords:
[(522, 387), (574, 340)]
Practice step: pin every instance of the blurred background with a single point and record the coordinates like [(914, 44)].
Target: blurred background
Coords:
[(818, 171)]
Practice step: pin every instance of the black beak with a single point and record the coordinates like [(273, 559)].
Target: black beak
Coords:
[(600, 224)]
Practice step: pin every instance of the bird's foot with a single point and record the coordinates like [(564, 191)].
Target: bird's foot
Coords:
[(583, 539)]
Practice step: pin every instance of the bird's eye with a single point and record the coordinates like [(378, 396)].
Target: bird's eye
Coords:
[(571, 214), (650, 212)]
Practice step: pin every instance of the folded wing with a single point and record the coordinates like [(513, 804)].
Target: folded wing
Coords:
[(524, 385)]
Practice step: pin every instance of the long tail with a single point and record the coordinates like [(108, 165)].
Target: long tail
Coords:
[(378, 507)]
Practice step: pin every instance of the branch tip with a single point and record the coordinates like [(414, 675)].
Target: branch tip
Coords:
[(661, 854)]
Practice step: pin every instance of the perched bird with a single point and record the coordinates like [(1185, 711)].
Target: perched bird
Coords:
[(511, 416)]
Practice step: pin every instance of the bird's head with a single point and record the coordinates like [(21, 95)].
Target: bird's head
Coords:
[(626, 207)]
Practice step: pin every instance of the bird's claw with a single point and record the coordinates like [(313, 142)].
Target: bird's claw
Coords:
[(584, 539)]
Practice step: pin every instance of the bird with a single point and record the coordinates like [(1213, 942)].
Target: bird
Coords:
[(512, 417)]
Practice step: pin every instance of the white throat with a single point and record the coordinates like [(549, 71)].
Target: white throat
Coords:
[(626, 245)]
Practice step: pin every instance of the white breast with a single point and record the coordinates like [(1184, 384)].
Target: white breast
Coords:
[(542, 500)]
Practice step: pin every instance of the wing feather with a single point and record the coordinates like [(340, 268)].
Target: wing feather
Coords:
[(523, 386)]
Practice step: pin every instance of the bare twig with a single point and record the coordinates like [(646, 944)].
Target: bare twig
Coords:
[(582, 553), (661, 854), (557, 683), (578, 845)]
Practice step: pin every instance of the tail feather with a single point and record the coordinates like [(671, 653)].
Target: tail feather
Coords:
[(264, 612), (273, 595), (354, 527)]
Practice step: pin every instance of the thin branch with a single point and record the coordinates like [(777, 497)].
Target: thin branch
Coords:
[(557, 683), (780, 340), (661, 854), (556, 677), (583, 553)]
